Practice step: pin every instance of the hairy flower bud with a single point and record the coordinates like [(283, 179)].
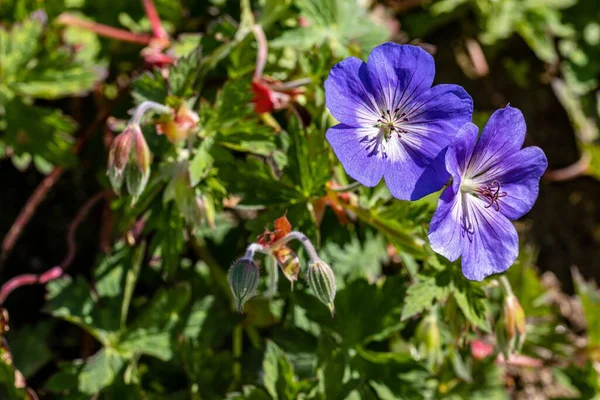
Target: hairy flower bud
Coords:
[(180, 127), (322, 282), (514, 318), (243, 280), (129, 159), (138, 172), (118, 157)]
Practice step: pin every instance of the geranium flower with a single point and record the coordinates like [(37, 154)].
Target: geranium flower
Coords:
[(393, 123), (493, 181)]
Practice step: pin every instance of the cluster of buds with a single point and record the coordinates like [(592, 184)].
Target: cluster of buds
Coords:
[(129, 160), (244, 274), (129, 157)]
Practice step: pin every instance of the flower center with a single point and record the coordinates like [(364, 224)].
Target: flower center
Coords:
[(391, 122), (489, 192)]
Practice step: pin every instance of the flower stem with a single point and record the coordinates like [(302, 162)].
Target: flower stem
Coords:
[(346, 188), (152, 14), (253, 248), (301, 237), (506, 286), (263, 50), (146, 106), (104, 30)]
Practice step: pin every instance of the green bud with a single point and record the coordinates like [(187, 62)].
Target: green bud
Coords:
[(138, 171), (129, 160), (243, 281), (514, 318), (322, 282), (429, 338)]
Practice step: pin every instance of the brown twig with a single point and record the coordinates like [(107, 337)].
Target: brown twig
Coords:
[(47, 183), (104, 30), (57, 271)]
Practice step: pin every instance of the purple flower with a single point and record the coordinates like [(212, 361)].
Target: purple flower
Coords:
[(393, 123), (493, 181)]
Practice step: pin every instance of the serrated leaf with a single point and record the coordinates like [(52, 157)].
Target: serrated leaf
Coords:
[(44, 132), (152, 332), (202, 162), (182, 74), (150, 86), (589, 295), (471, 300), (99, 371), (278, 374), (421, 295)]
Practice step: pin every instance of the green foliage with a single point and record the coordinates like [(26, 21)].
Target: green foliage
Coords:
[(154, 316), (37, 63)]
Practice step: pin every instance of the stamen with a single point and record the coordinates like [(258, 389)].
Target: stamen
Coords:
[(492, 194)]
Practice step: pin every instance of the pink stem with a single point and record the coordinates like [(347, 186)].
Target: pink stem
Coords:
[(157, 28), (572, 171), (104, 30), (263, 50), (57, 271)]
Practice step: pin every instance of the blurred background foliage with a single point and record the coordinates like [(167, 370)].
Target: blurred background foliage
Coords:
[(145, 311)]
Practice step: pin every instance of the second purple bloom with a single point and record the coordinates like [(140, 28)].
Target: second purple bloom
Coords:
[(493, 181), (393, 123)]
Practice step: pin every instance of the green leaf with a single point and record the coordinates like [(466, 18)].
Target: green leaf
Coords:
[(308, 166), (471, 300), (18, 46), (421, 295), (379, 317), (337, 22), (8, 390), (41, 131), (202, 162), (152, 332), (355, 259), (99, 371), (72, 301), (278, 375), (29, 348), (183, 73), (589, 295), (150, 86)]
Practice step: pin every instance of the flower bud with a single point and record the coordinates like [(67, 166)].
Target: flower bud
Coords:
[(243, 280), (118, 157), (322, 282), (138, 172), (428, 335), (180, 127), (514, 318)]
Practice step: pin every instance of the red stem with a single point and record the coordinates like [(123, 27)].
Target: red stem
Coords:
[(105, 30), (57, 271), (157, 28)]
